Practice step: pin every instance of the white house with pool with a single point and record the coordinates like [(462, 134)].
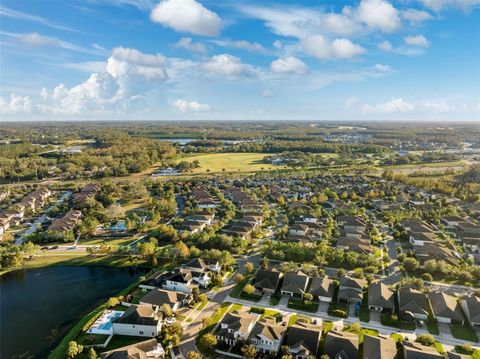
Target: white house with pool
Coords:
[(144, 320), (103, 324)]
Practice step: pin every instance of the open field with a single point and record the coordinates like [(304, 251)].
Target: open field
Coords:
[(427, 167), (231, 162)]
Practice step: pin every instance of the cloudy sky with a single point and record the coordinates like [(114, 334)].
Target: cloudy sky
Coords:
[(248, 60)]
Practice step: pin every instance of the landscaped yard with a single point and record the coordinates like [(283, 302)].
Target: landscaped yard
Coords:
[(338, 310), (300, 305), (464, 332)]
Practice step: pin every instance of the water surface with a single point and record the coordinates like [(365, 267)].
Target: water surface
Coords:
[(38, 306)]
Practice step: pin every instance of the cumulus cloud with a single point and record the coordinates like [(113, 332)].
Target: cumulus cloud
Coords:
[(414, 46), (415, 15), (289, 64), (379, 14), (226, 65), (127, 61), (187, 44), (320, 47), (417, 40), (242, 44), (187, 16), (438, 5), (438, 106), (193, 106), (15, 104), (394, 105)]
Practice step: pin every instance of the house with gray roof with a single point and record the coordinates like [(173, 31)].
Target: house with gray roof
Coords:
[(379, 347), (303, 340), (341, 345), (322, 289), (445, 308), (413, 303), (380, 297), (295, 284), (471, 308), (267, 281)]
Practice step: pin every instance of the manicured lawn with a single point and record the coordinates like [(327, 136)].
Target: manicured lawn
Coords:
[(292, 320), (464, 332), (364, 314), (300, 305), (108, 241), (432, 326), (235, 307), (119, 341), (338, 310), (398, 337), (239, 287), (231, 162)]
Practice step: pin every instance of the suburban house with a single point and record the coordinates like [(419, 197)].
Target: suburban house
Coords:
[(413, 350), (203, 199), (322, 289), (180, 280), (341, 345), (351, 289), (471, 308), (434, 250), (89, 191), (379, 347), (295, 284), (66, 223), (196, 222), (267, 281), (144, 320), (380, 297), (236, 327), (148, 349), (303, 340), (199, 264), (159, 297), (353, 244), (352, 223), (413, 304), (445, 308), (267, 336)]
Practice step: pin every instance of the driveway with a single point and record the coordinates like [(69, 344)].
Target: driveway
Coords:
[(375, 316)]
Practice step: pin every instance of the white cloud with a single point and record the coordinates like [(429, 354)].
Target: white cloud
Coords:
[(277, 44), (226, 65), (438, 106), (351, 103), (15, 104), (438, 5), (126, 61), (187, 16), (417, 40), (187, 44), (4, 11), (320, 47), (409, 50), (415, 15), (193, 106), (394, 105), (289, 64), (87, 66), (242, 44), (267, 93), (38, 40), (379, 14)]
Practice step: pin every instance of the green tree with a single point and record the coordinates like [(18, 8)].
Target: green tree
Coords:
[(238, 278), (208, 341), (194, 355), (410, 264), (249, 267), (249, 289), (264, 263), (92, 354), (112, 302), (167, 310), (249, 351), (74, 349)]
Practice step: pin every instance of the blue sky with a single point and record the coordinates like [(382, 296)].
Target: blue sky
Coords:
[(240, 60)]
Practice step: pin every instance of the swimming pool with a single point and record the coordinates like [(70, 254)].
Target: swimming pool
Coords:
[(104, 325)]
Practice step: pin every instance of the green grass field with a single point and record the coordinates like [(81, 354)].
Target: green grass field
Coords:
[(231, 162)]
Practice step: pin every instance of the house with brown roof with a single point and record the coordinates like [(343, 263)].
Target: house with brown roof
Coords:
[(413, 350), (303, 340), (380, 347), (445, 308), (341, 345), (380, 297), (148, 349), (236, 327), (267, 336), (322, 289), (159, 297), (66, 223)]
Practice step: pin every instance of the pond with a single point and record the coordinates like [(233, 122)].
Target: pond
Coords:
[(39, 306)]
